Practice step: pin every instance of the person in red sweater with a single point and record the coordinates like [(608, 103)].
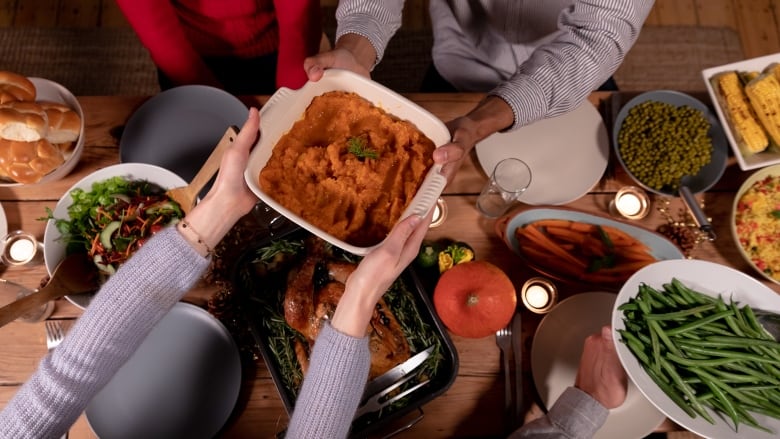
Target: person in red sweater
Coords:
[(242, 46)]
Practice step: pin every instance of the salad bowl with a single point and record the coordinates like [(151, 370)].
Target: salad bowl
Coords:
[(54, 246)]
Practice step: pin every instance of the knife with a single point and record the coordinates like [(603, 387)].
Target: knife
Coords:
[(517, 350), (391, 376)]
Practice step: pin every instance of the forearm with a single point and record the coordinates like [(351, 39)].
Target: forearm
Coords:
[(574, 414), (120, 316), (333, 386), (375, 21), (560, 75)]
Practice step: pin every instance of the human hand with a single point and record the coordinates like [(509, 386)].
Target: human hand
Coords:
[(229, 198), (376, 272), (352, 52), (230, 186), (451, 155), (491, 115), (600, 373)]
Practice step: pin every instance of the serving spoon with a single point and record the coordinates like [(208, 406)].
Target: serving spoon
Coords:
[(187, 195), (75, 274)]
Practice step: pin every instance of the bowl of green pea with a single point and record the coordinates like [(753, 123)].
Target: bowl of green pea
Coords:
[(664, 137)]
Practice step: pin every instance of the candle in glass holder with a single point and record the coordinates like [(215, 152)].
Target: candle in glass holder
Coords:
[(19, 248), (539, 295), (631, 202), (439, 213)]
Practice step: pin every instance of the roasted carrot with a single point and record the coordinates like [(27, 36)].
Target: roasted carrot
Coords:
[(554, 248), (574, 247)]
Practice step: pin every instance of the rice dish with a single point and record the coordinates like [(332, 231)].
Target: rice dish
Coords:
[(757, 223)]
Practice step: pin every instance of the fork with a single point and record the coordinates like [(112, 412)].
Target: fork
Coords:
[(504, 342), (55, 333)]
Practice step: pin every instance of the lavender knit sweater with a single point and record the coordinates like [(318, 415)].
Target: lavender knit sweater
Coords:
[(139, 295)]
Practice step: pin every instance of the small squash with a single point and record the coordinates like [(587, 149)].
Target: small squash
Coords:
[(475, 299)]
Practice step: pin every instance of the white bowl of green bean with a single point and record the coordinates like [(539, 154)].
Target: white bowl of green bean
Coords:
[(712, 359)]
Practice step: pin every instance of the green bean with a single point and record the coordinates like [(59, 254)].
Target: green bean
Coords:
[(687, 391), (700, 322), (682, 313)]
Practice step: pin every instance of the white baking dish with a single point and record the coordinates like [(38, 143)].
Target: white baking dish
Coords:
[(287, 106)]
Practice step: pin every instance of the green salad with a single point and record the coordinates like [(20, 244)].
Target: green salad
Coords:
[(113, 219)]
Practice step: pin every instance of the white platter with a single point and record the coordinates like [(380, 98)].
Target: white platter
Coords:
[(286, 106), (182, 382), (54, 247), (567, 154), (760, 159), (555, 355), (707, 278)]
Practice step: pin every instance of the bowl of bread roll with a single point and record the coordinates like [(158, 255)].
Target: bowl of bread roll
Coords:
[(41, 130)]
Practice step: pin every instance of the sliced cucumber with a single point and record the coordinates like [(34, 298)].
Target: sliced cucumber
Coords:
[(107, 232)]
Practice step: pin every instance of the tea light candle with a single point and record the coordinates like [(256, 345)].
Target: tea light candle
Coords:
[(19, 248), (539, 295), (439, 213), (631, 202)]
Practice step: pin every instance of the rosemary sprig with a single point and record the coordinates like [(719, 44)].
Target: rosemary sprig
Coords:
[(358, 147)]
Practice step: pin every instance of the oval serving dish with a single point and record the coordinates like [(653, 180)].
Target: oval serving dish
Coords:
[(659, 247)]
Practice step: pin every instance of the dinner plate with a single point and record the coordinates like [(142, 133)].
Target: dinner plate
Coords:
[(182, 382), (178, 128), (567, 154), (555, 356), (707, 278)]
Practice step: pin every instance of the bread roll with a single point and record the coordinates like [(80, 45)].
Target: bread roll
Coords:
[(23, 121), (15, 87), (28, 162), (64, 124)]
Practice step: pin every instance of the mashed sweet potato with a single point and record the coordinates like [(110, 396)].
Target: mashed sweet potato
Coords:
[(348, 167)]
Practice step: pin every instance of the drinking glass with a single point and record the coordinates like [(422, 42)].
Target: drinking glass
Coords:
[(510, 178)]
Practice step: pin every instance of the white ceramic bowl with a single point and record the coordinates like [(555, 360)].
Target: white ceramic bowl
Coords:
[(760, 159), (51, 91), (747, 184), (54, 247), (287, 106), (707, 278)]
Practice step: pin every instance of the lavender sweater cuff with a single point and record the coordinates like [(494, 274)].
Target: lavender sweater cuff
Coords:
[(333, 386)]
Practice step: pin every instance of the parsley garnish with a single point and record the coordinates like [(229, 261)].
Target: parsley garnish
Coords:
[(358, 147)]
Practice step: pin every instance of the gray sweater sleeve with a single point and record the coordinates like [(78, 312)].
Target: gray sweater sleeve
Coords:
[(333, 386), (574, 415), (120, 316)]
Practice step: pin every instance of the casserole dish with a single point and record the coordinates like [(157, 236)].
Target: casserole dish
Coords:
[(287, 106)]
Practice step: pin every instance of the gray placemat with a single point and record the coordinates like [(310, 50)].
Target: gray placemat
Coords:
[(672, 57), (102, 61)]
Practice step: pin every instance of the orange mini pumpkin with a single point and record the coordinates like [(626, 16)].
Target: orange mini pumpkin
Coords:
[(475, 299)]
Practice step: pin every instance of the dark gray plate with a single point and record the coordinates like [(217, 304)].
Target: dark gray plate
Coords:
[(182, 382), (710, 173), (178, 128)]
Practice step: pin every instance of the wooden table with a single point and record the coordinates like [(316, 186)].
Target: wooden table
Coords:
[(473, 405)]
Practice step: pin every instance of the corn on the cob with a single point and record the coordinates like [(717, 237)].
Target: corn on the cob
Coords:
[(774, 69), (764, 95), (746, 127)]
